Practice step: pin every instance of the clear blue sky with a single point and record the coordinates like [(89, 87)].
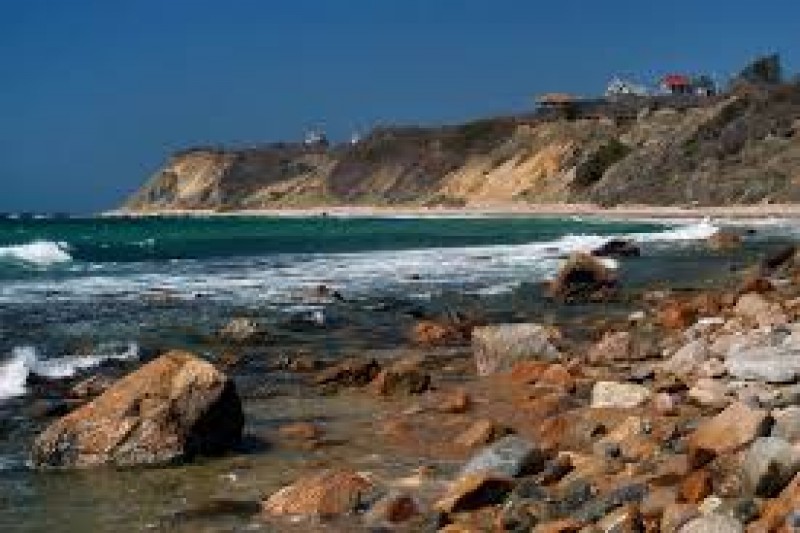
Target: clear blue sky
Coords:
[(95, 94)]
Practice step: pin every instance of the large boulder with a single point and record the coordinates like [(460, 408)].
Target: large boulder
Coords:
[(497, 348), (170, 409), (584, 278)]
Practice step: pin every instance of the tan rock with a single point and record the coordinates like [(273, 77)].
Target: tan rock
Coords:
[(301, 431), (325, 493), (614, 346), (473, 491), (170, 409), (480, 432), (729, 431)]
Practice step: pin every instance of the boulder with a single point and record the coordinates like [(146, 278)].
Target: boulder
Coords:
[(406, 376), (497, 348), (709, 393), (170, 409), (769, 465), (686, 360), (393, 508), (584, 278), (326, 493), (618, 248), (614, 346), (729, 431), (619, 395), (713, 523), (696, 486), (440, 333), (510, 456)]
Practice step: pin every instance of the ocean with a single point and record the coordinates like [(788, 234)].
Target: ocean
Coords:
[(78, 293)]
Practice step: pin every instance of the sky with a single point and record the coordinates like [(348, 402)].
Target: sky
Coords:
[(95, 94)]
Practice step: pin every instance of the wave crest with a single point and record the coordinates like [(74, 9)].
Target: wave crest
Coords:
[(37, 253)]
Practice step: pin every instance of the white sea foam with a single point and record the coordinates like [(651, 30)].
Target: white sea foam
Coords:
[(25, 360), (39, 253), (284, 280)]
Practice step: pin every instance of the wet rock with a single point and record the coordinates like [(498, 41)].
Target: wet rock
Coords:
[(757, 308), (474, 490), (584, 278), (618, 248), (497, 348), (619, 395), (713, 523), (769, 464), (510, 456), (787, 423), (724, 240), (325, 493), (352, 372), (406, 376), (614, 346), (732, 429), (439, 333), (779, 258), (242, 329), (170, 409)]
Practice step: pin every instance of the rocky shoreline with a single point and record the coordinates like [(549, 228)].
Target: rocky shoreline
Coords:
[(680, 414)]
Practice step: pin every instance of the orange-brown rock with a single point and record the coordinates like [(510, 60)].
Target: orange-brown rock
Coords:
[(676, 515), (456, 401), (406, 376), (557, 375), (480, 432), (393, 508), (724, 240), (170, 409), (351, 372), (528, 372), (757, 284), (676, 315), (696, 486), (564, 525), (473, 491), (729, 431), (325, 493), (435, 333)]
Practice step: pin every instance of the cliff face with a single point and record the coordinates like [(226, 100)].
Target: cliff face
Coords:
[(744, 148)]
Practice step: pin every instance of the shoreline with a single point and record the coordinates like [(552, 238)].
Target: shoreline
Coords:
[(628, 212)]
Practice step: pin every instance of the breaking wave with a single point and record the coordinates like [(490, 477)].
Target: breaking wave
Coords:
[(25, 361), (37, 253)]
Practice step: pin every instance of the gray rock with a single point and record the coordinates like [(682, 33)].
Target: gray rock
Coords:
[(770, 364), (769, 465), (621, 395), (497, 348), (713, 523), (688, 358), (787, 423), (510, 456)]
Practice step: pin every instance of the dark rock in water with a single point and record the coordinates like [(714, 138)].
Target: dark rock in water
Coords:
[(584, 278), (242, 330), (170, 409), (47, 408), (618, 248), (724, 240), (406, 376), (510, 456), (779, 258), (474, 490), (352, 372)]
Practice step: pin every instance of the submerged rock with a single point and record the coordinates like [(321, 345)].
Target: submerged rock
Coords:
[(497, 348), (724, 240), (351, 372), (242, 329), (170, 409), (325, 493)]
